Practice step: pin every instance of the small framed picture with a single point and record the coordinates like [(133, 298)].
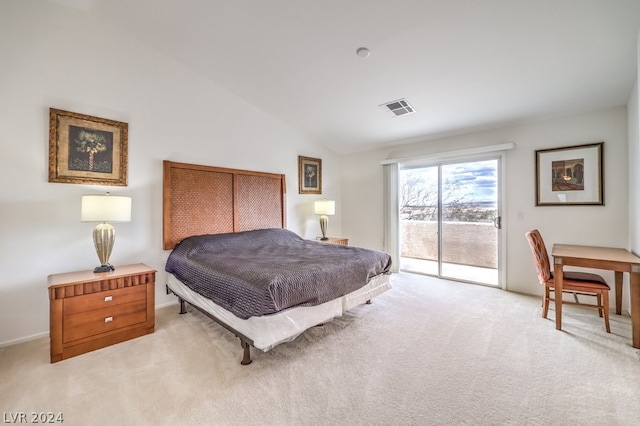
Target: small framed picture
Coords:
[(309, 175), (570, 176), (88, 150)]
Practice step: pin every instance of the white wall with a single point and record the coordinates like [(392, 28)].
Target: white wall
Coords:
[(52, 56), (634, 160), (634, 172), (593, 225)]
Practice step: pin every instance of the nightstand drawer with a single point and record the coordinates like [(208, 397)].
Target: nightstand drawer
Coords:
[(105, 299), (102, 320)]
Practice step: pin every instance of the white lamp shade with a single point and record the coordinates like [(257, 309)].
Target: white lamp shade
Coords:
[(106, 208), (325, 207)]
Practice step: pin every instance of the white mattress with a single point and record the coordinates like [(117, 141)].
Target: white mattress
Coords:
[(268, 331)]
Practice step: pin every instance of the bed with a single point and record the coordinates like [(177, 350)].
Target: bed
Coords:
[(233, 259)]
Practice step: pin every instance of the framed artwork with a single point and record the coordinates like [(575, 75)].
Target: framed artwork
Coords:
[(309, 175), (570, 176), (86, 149)]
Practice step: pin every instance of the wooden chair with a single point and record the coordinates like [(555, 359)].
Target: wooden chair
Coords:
[(578, 283)]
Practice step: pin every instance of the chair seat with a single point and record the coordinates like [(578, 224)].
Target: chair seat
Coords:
[(583, 280)]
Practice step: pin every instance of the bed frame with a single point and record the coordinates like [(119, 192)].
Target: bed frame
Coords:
[(201, 200)]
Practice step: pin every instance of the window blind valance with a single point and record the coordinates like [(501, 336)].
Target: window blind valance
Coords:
[(425, 158)]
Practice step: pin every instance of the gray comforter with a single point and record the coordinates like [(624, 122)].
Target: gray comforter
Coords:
[(265, 271)]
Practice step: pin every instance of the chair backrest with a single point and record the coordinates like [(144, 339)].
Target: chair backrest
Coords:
[(539, 254)]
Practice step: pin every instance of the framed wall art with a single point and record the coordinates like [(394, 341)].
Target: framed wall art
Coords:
[(570, 176), (88, 150), (309, 175)]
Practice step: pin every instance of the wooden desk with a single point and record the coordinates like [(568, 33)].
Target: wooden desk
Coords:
[(612, 259)]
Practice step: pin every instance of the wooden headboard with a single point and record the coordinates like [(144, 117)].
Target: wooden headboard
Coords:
[(201, 200)]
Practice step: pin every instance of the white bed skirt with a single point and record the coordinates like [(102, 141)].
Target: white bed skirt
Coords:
[(268, 331)]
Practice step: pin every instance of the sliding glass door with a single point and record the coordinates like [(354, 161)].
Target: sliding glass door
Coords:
[(450, 220)]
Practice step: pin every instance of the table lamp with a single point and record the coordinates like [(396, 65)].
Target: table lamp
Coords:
[(324, 208), (105, 208)]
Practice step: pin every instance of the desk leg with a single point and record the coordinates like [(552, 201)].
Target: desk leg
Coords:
[(618, 292), (635, 304), (558, 276)]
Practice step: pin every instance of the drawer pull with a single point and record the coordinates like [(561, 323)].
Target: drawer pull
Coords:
[(108, 298), (108, 319)]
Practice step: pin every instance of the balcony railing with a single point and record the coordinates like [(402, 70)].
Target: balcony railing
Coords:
[(464, 243)]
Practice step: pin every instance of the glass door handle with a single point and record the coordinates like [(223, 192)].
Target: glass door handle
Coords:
[(497, 222)]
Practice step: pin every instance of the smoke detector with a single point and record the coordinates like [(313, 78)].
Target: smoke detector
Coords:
[(398, 107), (363, 52)]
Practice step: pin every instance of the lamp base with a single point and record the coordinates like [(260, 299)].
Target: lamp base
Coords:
[(324, 221), (103, 238), (104, 268)]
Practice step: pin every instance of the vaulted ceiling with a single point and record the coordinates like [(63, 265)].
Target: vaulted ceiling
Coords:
[(464, 65)]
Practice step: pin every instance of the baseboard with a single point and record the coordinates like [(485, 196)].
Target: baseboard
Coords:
[(165, 305), (24, 339)]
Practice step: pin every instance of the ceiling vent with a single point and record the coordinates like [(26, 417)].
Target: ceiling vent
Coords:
[(399, 107)]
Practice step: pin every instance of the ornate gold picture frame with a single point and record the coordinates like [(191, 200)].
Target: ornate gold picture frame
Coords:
[(309, 175), (87, 150)]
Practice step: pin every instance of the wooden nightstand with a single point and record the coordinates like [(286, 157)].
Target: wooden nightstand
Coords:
[(338, 241), (90, 310)]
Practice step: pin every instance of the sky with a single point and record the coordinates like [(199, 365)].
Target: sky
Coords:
[(477, 180)]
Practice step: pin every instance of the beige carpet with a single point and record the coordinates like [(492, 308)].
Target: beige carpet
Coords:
[(428, 352)]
